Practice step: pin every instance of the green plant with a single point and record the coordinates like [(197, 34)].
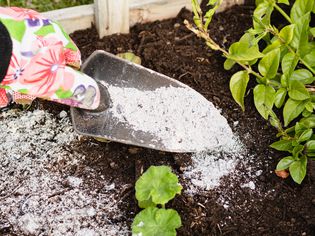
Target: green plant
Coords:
[(129, 56), (283, 63), (156, 187)]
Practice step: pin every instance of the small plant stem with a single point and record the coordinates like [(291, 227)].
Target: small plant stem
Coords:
[(307, 66), (291, 50), (248, 69), (274, 83), (279, 125), (279, 9), (301, 59), (163, 206), (200, 32), (213, 45)]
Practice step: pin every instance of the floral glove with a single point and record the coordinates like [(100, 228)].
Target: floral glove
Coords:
[(38, 60)]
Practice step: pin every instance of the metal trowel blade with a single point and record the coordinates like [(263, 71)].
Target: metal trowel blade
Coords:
[(140, 107)]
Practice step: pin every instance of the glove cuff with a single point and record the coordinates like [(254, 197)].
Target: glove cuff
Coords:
[(5, 51)]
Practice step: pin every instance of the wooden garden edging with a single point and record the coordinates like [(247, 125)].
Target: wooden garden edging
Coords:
[(117, 16)]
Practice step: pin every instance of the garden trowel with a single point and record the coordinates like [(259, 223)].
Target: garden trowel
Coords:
[(142, 107)]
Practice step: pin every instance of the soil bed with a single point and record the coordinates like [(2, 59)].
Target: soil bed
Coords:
[(246, 198)]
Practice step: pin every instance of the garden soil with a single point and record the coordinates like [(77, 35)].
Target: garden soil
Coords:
[(244, 197)]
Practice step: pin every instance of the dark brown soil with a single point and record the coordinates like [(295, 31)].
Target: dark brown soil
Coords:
[(168, 47)]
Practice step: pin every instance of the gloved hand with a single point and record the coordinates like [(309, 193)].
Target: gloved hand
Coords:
[(38, 59)]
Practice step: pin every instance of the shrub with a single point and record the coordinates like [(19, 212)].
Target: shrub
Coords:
[(282, 62)]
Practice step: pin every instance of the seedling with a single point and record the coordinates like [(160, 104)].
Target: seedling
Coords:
[(153, 221), (156, 187), (283, 63), (129, 56)]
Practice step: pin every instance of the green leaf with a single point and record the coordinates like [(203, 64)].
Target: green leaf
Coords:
[(241, 51), (302, 75), (292, 109), (286, 2), (285, 163), (146, 203), (197, 12), (264, 97), (280, 97), (212, 2), (297, 150), (247, 38), (274, 45), (286, 33), (253, 62), (306, 113), (295, 143), (300, 8), (282, 145), (308, 122), (298, 91), (262, 13), (299, 128), (196, 7), (257, 2), (45, 30), (16, 28), (310, 146), (228, 64), (300, 36), (238, 85), (309, 106), (209, 14), (159, 184), (254, 32), (274, 122), (129, 56), (298, 169), (288, 64), (306, 135), (268, 65), (312, 31), (310, 58), (208, 17), (284, 81), (156, 222)]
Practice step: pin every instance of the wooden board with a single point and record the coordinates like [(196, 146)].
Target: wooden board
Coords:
[(111, 17), (156, 10), (73, 18), (116, 16)]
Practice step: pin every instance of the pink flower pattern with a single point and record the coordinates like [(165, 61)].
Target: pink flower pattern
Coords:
[(20, 13), (15, 70), (43, 71), (3, 98)]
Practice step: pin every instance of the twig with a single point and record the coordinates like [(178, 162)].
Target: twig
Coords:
[(13, 191), (59, 192), (188, 36)]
